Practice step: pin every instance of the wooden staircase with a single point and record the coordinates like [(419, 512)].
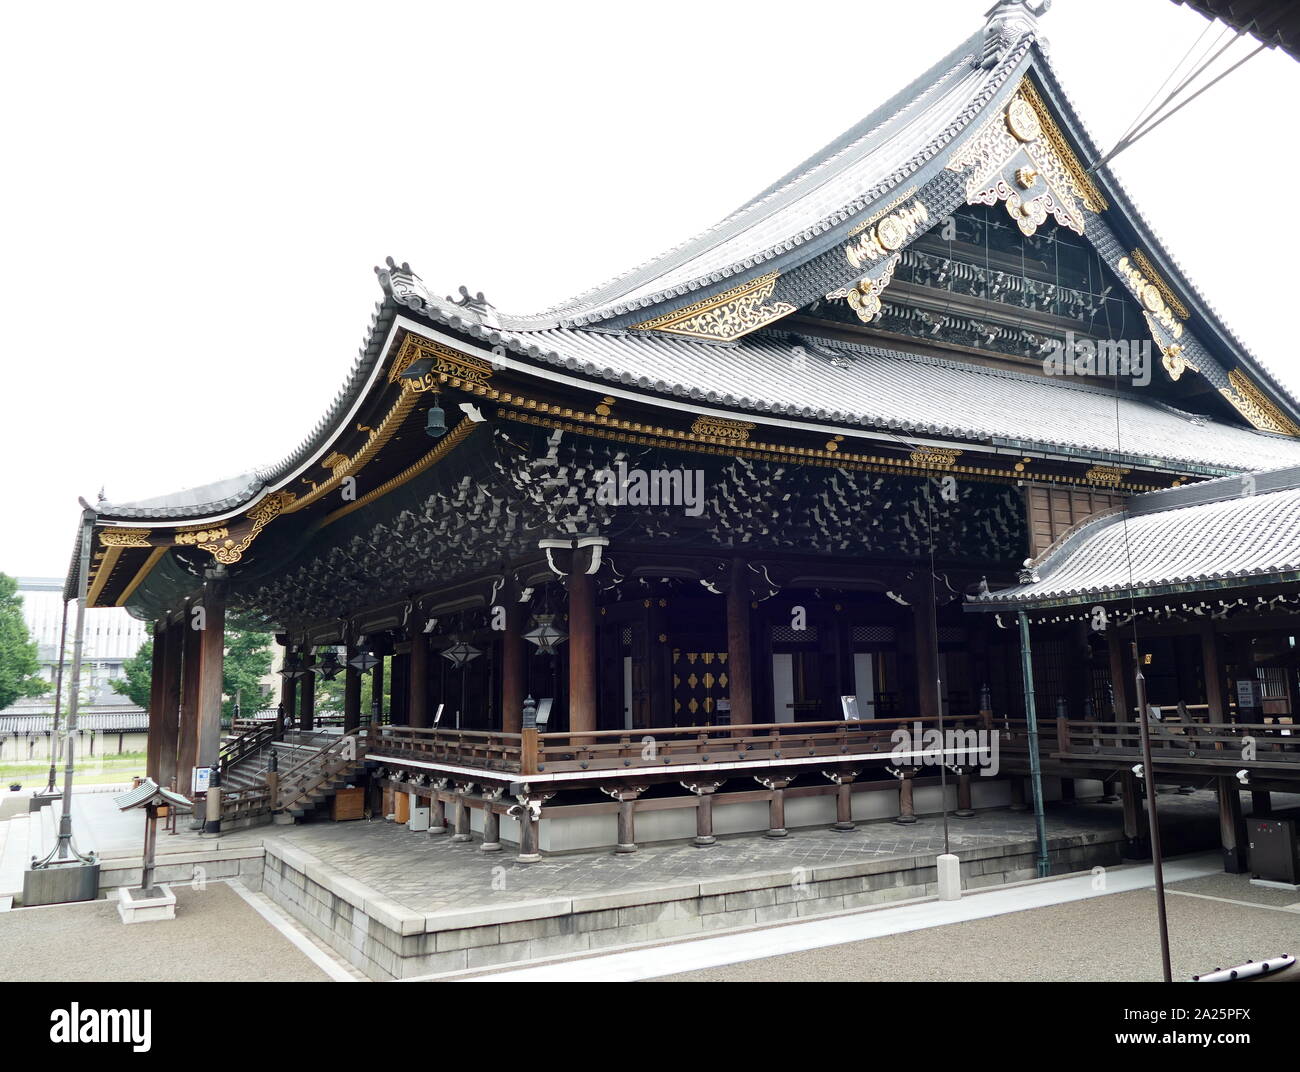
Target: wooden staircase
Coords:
[(314, 780)]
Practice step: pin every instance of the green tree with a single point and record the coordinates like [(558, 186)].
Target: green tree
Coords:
[(248, 659), (19, 665), (139, 675), (329, 694)]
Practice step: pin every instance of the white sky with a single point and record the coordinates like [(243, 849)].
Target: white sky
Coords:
[(195, 195)]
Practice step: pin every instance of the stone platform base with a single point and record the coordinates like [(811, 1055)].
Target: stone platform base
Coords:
[(146, 906), (387, 940)]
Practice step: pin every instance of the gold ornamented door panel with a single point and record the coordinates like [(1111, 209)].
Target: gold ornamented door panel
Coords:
[(699, 682)]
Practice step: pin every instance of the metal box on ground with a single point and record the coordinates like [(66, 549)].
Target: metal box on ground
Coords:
[(1273, 853)]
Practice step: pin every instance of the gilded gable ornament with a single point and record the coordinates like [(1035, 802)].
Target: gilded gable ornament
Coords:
[(889, 234), (726, 316), (1252, 404), (1051, 183)]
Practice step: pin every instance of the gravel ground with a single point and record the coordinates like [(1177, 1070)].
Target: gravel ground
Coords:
[(215, 936), (1103, 939)]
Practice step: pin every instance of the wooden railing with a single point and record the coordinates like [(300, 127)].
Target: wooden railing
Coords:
[(304, 777), (471, 748), (241, 803), (531, 752), (1273, 743), (248, 743)]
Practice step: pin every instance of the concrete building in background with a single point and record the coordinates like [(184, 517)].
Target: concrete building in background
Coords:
[(112, 637)]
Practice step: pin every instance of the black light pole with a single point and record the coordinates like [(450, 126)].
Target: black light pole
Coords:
[(64, 851), (50, 787), (1149, 779)]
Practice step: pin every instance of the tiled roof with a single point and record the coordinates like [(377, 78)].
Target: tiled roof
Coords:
[(876, 387), (130, 720), (857, 170), (1212, 534)]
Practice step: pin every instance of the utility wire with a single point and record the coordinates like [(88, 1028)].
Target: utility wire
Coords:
[(1140, 128)]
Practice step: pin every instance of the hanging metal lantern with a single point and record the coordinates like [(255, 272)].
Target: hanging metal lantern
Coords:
[(293, 666), (362, 661), (460, 652), (546, 634), (329, 665)]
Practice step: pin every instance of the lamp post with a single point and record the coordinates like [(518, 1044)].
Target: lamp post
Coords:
[(1153, 820), (64, 851)]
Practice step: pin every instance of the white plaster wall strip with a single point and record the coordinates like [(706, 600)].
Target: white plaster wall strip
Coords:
[(704, 953), (685, 768)]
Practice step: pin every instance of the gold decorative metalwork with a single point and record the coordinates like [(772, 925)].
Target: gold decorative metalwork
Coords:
[(1252, 404), (1110, 475), (725, 316), (228, 550), (1088, 193), (722, 428), (446, 363), (1022, 120), (889, 234), (864, 297), (1026, 127), (197, 537), (862, 225), (1151, 296), (935, 457), (336, 463), (1144, 266), (124, 538)]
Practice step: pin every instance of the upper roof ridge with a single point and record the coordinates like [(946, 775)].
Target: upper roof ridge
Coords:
[(1007, 22)]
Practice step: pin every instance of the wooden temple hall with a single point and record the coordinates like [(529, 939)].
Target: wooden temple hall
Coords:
[(700, 550)]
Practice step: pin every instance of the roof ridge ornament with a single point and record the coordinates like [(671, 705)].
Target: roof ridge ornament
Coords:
[(486, 311), (1007, 22)]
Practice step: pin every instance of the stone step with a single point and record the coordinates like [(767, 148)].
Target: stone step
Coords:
[(14, 859)]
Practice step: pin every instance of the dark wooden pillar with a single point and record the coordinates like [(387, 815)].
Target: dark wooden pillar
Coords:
[(417, 700), (351, 693), (187, 740), (212, 652), (1119, 677), (1212, 669), (582, 652), (926, 631), (170, 705), (307, 695), (514, 669), (740, 674), (156, 713), (1232, 827)]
